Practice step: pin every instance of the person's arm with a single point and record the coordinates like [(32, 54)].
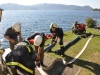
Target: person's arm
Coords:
[(53, 34), (56, 39), (53, 37), (39, 52), (20, 37), (11, 40)]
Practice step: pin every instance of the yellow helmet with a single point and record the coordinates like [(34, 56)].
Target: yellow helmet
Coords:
[(53, 25)]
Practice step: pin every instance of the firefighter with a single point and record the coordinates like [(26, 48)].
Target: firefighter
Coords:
[(22, 58), (12, 34), (39, 41), (74, 27), (57, 33)]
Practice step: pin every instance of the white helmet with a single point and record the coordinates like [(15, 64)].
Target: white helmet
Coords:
[(37, 40), (53, 25), (17, 27)]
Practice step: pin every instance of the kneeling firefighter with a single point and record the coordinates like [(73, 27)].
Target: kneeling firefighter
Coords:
[(22, 58), (57, 33)]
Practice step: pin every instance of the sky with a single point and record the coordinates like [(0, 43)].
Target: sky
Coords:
[(92, 3)]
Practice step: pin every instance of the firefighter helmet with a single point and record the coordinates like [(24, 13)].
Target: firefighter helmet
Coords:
[(37, 40), (53, 25), (17, 27)]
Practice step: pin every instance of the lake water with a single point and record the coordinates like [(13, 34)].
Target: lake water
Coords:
[(40, 20)]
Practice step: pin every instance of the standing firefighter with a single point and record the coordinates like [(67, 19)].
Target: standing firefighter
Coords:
[(57, 33), (38, 42), (74, 27), (12, 34), (22, 58)]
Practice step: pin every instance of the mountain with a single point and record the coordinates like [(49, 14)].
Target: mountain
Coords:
[(10, 6), (44, 6)]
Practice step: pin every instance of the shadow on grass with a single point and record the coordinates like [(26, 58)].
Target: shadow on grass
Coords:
[(65, 34), (96, 35), (93, 67)]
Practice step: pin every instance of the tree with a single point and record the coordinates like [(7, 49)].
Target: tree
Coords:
[(96, 9), (90, 23)]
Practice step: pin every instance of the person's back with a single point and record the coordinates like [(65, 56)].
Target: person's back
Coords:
[(39, 41), (22, 58)]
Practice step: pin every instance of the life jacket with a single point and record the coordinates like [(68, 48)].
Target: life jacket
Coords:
[(12, 60)]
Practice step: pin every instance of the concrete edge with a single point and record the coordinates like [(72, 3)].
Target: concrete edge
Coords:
[(78, 71)]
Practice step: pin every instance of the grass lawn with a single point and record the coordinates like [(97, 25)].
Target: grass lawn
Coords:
[(89, 61)]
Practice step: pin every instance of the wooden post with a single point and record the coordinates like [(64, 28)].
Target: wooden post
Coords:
[(0, 14), (1, 73)]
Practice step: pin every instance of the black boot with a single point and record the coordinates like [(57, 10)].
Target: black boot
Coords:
[(62, 51), (42, 64), (58, 52)]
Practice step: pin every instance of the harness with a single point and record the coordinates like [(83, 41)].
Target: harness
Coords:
[(24, 44), (14, 63)]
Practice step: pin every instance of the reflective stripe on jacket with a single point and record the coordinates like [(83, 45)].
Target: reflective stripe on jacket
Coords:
[(19, 65)]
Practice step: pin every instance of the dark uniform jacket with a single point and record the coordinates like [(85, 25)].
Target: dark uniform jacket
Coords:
[(22, 58), (58, 32)]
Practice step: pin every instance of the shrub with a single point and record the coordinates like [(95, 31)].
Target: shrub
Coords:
[(90, 23)]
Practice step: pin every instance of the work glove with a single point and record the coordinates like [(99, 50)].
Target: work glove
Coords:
[(37, 63), (54, 43)]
